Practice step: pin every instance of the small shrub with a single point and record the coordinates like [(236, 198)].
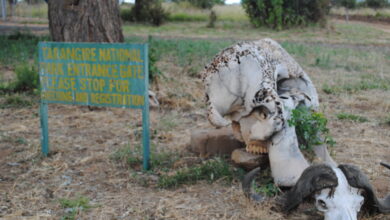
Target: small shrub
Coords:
[(27, 79), (74, 206), (351, 117), (264, 184), (212, 19), (278, 14), (310, 128), (126, 14), (150, 11)]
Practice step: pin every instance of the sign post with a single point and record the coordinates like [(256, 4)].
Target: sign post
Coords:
[(110, 75), (3, 9)]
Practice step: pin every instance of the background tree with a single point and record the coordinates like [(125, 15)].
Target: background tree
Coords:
[(348, 5), (85, 20), (375, 4)]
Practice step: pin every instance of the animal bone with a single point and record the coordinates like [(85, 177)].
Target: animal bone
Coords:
[(153, 101), (340, 192), (242, 85), (286, 160), (246, 85)]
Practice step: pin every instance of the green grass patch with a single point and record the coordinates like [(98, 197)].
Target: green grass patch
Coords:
[(19, 48), (27, 80), (210, 170), (184, 17), (132, 157), (193, 54), (15, 101), (264, 184), (74, 207), (351, 117), (361, 85)]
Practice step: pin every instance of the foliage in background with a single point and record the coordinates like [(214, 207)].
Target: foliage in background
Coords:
[(375, 4), (280, 14), (150, 11), (347, 4), (310, 127), (204, 4), (153, 69)]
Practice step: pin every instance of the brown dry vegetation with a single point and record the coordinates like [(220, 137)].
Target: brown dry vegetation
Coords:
[(83, 141)]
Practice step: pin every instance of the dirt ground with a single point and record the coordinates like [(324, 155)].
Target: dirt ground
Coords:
[(82, 141)]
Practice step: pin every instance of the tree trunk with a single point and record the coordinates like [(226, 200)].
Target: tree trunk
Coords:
[(85, 21)]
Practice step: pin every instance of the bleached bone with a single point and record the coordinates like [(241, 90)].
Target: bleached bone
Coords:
[(153, 101), (242, 85), (286, 160)]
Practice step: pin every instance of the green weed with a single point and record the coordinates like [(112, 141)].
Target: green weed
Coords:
[(330, 89), (311, 128), (27, 79), (323, 61), (264, 184), (75, 206), (132, 157), (210, 170), (351, 117)]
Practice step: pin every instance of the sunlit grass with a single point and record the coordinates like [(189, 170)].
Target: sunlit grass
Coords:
[(23, 9), (362, 11)]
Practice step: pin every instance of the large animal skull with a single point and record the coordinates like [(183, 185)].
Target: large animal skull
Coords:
[(340, 192), (242, 85)]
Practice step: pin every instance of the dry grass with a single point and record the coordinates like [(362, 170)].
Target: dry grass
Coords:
[(83, 141)]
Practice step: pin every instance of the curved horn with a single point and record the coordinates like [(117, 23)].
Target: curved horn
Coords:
[(385, 165), (313, 178), (358, 179), (247, 182)]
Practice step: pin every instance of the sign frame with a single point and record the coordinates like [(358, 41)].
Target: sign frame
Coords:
[(145, 107)]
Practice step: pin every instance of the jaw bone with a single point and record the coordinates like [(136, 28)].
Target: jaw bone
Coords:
[(258, 147)]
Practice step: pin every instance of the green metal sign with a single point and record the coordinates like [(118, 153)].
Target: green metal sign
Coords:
[(94, 74)]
